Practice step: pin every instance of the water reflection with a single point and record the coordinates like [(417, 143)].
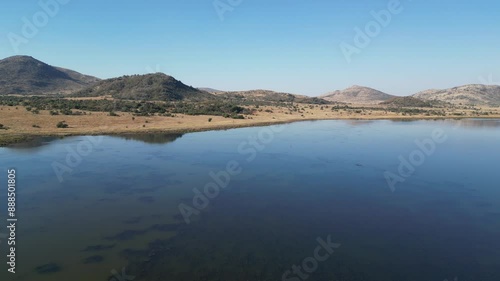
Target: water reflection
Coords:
[(151, 138), (478, 123), (33, 144), (37, 144)]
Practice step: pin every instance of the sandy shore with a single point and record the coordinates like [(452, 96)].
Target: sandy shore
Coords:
[(22, 125)]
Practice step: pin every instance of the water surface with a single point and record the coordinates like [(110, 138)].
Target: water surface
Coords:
[(118, 207)]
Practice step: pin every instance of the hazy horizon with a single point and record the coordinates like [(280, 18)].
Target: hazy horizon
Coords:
[(285, 46)]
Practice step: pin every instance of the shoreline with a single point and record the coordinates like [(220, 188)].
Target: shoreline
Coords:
[(7, 139)]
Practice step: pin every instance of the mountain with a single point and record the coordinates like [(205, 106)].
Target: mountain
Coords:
[(157, 86), (268, 96), (24, 75), (468, 95), (359, 95)]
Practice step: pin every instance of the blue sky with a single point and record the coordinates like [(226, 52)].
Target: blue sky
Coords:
[(282, 45)]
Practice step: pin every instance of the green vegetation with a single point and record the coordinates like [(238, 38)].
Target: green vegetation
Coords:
[(157, 87), (58, 106), (406, 102)]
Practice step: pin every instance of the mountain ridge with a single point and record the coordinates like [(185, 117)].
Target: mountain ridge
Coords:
[(25, 75)]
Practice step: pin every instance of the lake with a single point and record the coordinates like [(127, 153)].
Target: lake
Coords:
[(323, 200)]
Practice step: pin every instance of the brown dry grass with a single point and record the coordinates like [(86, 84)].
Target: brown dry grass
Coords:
[(20, 121)]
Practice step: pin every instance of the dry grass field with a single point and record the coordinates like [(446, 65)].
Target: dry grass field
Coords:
[(20, 124)]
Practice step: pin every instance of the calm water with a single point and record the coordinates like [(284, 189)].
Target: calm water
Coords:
[(118, 207)]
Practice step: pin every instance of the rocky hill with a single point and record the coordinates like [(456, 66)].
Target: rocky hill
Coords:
[(357, 95), (467, 95), (24, 75), (268, 96), (156, 86)]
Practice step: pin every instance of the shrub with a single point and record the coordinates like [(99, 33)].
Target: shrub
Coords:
[(36, 126), (238, 117), (66, 111), (62, 125)]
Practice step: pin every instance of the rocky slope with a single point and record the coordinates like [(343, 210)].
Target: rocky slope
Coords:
[(475, 94), (357, 95), (24, 75)]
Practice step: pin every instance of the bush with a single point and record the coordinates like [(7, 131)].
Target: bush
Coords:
[(62, 125), (209, 119), (66, 111), (238, 117), (36, 126)]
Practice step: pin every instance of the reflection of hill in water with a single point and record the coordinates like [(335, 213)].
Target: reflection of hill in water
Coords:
[(151, 138), (478, 123), (463, 123), (359, 122), (38, 143), (33, 144)]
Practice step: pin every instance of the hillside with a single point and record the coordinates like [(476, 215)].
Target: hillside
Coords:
[(24, 75), (406, 102), (156, 86), (467, 95), (268, 96), (210, 90), (358, 95)]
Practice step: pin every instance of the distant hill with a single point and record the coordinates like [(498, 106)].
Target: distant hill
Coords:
[(406, 102), (467, 95), (268, 96), (358, 95), (156, 86), (24, 75), (210, 90)]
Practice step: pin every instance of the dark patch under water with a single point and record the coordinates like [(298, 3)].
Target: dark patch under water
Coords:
[(48, 268), (97, 248), (93, 259)]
